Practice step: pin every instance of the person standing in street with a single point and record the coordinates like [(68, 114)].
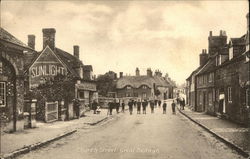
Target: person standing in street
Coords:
[(164, 106), (159, 103), (155, 102), (94, 106), (144, 106), (117, 105), (123, 106), (183, 103), (152, 106), (139, 106), (173, 107), (110, 107), (130, 105)]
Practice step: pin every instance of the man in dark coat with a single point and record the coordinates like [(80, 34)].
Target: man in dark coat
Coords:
[(130, 105), (152, 105), (144, 106), (111, 104), (164, 107), (117, 105), (173, 107), (94, 106), (123, 106), (139, 107), (159, 103), (76, 107)]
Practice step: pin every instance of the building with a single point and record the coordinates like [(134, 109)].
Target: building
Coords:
[(144, 86), (220, 86), (11, 81), (42, 67)]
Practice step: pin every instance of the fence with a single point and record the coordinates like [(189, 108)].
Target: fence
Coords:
[(51, 111)]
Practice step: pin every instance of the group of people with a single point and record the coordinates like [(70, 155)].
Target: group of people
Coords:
[(140, 105), (115, 104), (153, 103)]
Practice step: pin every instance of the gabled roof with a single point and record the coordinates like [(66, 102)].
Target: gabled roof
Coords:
[(66, 58), (138, 81), (194, 72), (238, 41), (208, 67), (6, 36)]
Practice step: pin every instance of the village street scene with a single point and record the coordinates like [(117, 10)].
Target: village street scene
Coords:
[(124, 79)]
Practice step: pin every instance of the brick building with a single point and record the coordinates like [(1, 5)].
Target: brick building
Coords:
[(42, 67), (11, 81), (221, 83), (144, 86)]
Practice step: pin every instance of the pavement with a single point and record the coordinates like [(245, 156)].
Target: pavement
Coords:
[(14, 144), (235, 135), (139, 136)]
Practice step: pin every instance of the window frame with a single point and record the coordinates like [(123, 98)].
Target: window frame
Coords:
[(4, 93), (1, 67), (229, 94)]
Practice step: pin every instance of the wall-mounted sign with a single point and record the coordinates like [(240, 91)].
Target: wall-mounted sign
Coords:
[(86, 86), (45, 67)]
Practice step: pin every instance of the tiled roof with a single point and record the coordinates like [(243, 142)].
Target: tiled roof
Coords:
[(208, 67), (137, 81), (238, 41), (6, 36), (70, 60)]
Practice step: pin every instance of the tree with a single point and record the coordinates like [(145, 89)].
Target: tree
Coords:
[(106, 83)]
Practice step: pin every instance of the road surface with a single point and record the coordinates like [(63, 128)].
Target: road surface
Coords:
[(161, 136)]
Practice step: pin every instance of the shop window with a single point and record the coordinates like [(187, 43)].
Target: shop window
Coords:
[(2, 94), (229, 95), (1, 67), (81, 95)]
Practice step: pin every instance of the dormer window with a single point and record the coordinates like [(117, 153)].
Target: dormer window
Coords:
[(144, 87), (129, 87)]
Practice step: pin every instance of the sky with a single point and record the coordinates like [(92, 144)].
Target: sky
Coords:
[(122, 35)]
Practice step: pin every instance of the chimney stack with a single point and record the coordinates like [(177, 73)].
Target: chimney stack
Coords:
[(149, 72), (137, 71), (121, 74), (49, 37), (31, 41), (210, 33), (76, 51), (203, 57)]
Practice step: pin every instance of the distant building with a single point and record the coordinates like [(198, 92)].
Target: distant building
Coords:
[(144, 86)]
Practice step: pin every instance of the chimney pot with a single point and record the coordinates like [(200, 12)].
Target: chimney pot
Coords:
[(31, 41), (49, 37), (121, 74), (76, 51), (210, 33)]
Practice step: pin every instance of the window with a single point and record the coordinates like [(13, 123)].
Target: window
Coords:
[(229, 91), (81, 95), (1, 67), (144, 87), (144, 95), (210, 78), (210, 98), (230, 53), (248, 97), (2, 94)]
